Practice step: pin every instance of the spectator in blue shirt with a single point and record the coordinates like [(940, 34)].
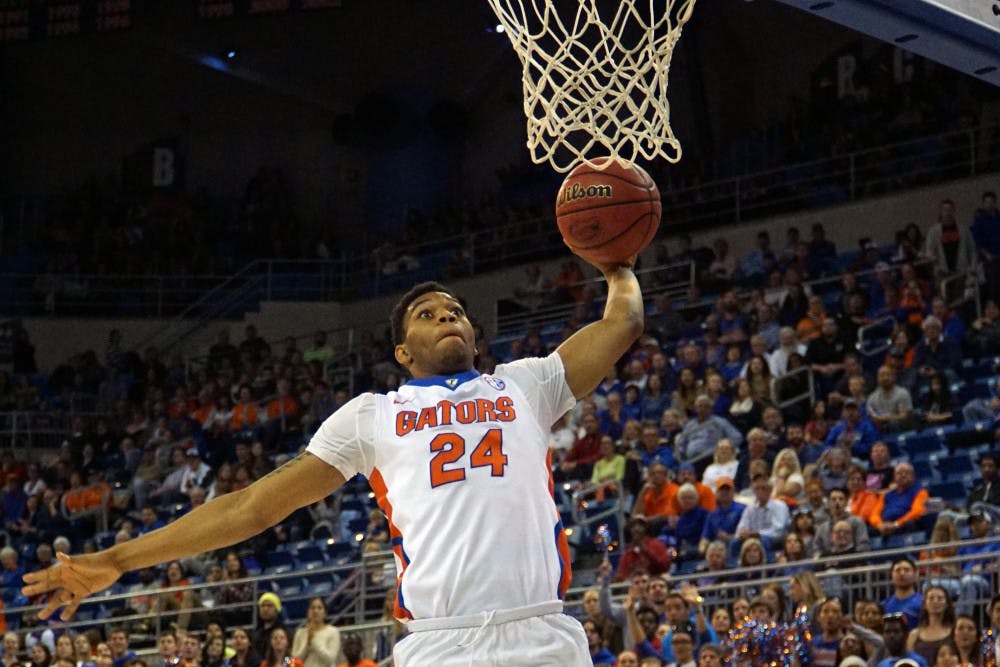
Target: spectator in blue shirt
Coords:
[(150, 521), (986, 233), (752, 266), (654, 448), (599, 653), (720, 524), (689, 526), (905, 599), (852, 431)]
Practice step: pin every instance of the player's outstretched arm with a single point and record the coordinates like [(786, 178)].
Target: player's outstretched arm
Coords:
[(226, 520), (588, 354)]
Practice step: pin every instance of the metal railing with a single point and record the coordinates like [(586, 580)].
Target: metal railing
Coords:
[(875, 338), (779, 385), (22, 431)]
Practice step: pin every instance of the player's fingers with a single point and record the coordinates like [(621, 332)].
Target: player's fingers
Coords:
[(53, 604), (42, 581), (69, 611)]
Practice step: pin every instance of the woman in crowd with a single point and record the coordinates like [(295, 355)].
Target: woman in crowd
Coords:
[(722, 622), (82, 651), (759, 377), (213, 654), (774, 595), (102, 656), (786, 479), (752, 556), (40, 655), (64, 648), (966, 636), (715, 387), (860, 500), (687, 390), (279, 650), (947, 655), (317, 643), (939, 574), (724, 464), (745, 412), (939, 407), (793, 553), (739, 610), (178, 601), (937, 620), (654, 399), (244, 656), (818, 426)]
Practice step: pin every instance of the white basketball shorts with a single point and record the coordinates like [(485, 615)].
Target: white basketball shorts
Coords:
[(535, 636)]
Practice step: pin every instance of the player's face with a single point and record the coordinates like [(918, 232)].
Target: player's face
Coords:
[(439, 337)]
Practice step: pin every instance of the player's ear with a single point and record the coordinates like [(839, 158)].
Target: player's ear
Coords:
[(402, 355)]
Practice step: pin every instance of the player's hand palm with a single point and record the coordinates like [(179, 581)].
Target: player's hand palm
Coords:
[(70, 581)]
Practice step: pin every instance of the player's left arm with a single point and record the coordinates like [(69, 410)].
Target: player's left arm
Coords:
[(588, 354)]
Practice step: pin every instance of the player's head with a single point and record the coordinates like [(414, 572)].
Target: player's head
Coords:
[(432, 334)]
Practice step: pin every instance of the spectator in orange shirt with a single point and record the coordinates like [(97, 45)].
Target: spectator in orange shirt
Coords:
[(810, 326), (352, 653), (860, 500), (206, 407), (657, 500), (245, 411)]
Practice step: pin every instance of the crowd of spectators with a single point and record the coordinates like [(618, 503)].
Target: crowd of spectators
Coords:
[(715, 471)]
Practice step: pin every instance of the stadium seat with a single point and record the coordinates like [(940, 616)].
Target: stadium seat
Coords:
[(948, 491), (278, 558), (921, 447), (295, 608), (924, 470)]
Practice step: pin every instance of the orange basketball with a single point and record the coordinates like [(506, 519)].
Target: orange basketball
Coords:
[(608, 216)]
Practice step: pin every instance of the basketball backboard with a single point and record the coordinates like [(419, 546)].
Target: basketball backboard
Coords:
[(962, 34)]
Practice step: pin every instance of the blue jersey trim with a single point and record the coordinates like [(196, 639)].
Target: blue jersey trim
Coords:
[(562, 565), (446, 381)]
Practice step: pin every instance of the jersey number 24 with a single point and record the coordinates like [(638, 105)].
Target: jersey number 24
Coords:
[(450, 447)]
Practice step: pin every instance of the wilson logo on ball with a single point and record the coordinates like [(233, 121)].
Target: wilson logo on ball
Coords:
[(576, 191)]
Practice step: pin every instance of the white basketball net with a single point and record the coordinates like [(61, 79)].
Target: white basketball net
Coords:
[(596, 85)]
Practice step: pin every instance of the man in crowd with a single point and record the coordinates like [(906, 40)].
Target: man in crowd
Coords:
[(988, 490), (722, 521), (268, 618), (901, 506), (853, 431), (837, 507), (642, 552), (895, 630), (904, 599), (766, 518), (890, 407), (657, 500), (701, 434), (118, 643)]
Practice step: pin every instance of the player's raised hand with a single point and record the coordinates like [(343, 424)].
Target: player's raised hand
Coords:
[(70, 581)]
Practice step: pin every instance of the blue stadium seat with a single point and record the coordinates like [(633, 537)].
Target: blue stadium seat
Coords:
[(278, 558), (294, 608), (921, 447), (310, 554), (948, 491), (924, 470)]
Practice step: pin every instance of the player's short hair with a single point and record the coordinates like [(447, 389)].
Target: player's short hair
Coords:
[(397, 318)]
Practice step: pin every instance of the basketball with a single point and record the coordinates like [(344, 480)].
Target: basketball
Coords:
[(608, 215)]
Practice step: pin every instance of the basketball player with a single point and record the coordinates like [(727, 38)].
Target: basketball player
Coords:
[(458, 462)]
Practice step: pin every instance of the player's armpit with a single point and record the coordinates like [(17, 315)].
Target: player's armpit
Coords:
[(588, 354)]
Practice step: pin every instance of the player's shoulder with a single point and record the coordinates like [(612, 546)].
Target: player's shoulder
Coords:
[(538, 368)]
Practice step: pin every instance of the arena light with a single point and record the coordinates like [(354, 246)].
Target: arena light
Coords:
[(360, 537)]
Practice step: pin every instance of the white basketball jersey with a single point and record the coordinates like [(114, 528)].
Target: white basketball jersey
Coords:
[(460, 466)]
